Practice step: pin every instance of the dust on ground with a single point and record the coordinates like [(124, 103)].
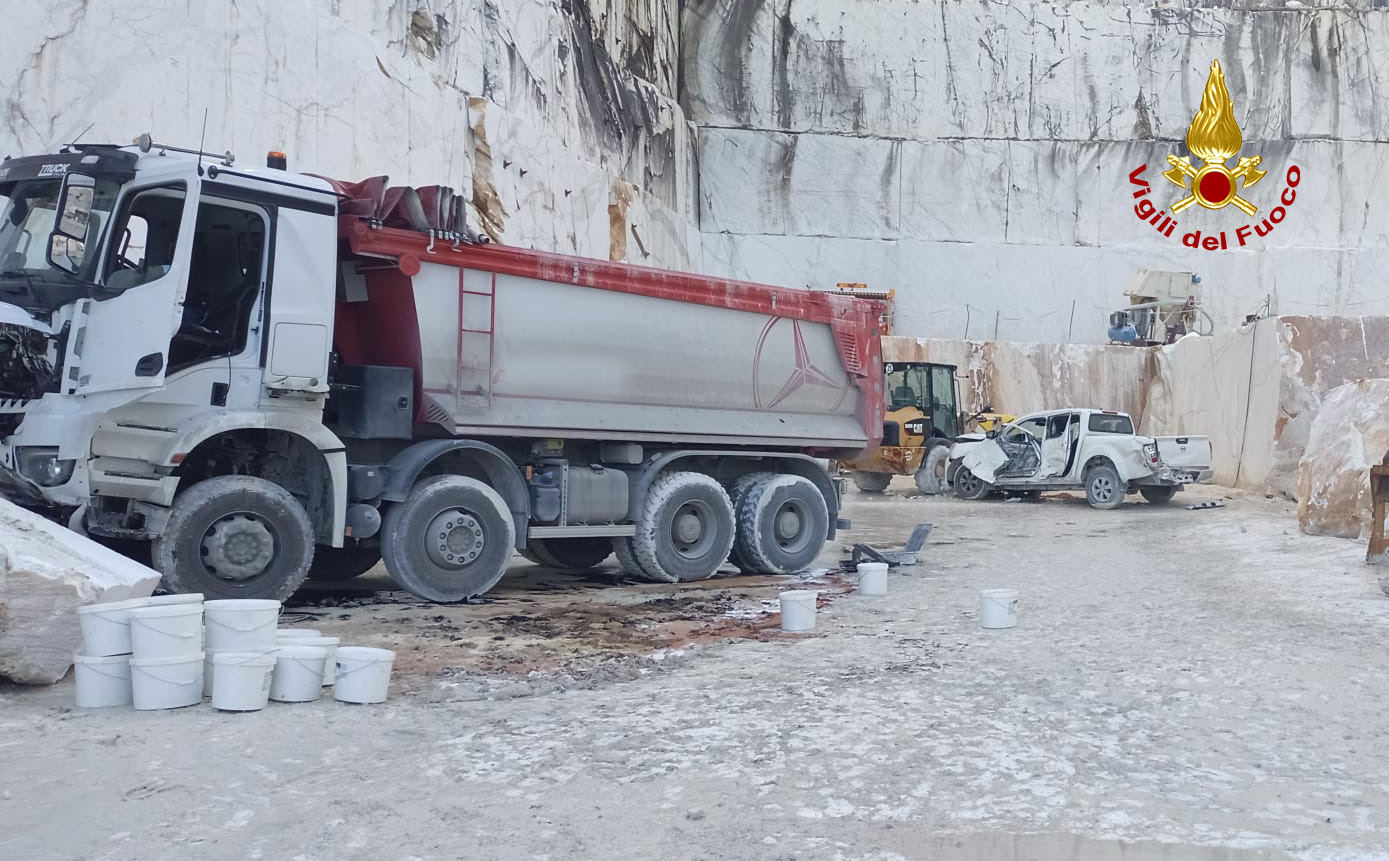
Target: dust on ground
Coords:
[(1194, 685)]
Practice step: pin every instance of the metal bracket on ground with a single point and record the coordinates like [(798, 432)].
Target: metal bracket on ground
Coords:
[(907, 554)]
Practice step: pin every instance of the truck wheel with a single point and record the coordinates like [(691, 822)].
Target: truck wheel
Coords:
[(970, 486), (570, 554), (235, 536), (1159, 495), (930, 476), (872, 482), (782, 524), (451, 539), (1103, 489), (686, 527), (627, 558), (736, 495), (343, 563)]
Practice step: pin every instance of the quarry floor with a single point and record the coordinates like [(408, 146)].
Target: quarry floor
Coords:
[(1210, 679)]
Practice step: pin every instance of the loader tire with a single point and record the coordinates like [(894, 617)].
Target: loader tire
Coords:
[(569, 554), (450, 540), (872, 482), (235, 536), (1159, 495), (930, 476), (969, 486), (342, 563), (685, 530), (783, 523), (1103, 488)]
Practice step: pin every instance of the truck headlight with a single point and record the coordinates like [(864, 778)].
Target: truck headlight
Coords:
[(41, 465)]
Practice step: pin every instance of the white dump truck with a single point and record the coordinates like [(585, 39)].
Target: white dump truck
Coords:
[(1070, 449), (265, 373)]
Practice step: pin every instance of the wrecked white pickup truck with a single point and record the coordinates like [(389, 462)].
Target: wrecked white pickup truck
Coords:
[(1074, 448)]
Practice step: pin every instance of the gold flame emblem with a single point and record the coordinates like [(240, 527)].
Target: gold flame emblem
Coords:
[(1215, 137)]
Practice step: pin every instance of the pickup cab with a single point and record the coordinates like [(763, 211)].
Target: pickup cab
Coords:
[(1077, 448)]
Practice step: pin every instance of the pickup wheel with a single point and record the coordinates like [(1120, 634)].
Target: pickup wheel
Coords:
[(450, 540), (871, 482), (569, 554), (1103, 487), (343, 563), (235, 536), (930, 476), (686, 530), (1159, 494), (970, 486), (782, 524)]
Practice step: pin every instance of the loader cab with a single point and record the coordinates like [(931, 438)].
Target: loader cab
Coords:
[(921, 402)]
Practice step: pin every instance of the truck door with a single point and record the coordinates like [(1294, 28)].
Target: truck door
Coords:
[(945, 416), (121, 340), (1057, 445)]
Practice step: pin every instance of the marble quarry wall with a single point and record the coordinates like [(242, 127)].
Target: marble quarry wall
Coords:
[(976, 156), (560, 118)]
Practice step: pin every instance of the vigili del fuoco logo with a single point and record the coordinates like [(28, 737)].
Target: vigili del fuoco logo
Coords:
[(1215, 138)]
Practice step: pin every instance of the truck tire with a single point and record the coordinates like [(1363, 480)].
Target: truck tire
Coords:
[(1159, 494), (1103, 488), (871, 482), (782, 524), (736, 494), (450, 540), (235, 536), (570, 554), (930, 476), (685, 530), (342, 563), (627, 558), (969, 486)]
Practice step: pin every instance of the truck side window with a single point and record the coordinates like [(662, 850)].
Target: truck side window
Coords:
[(1056, 425), (224, 281), (145, 237)]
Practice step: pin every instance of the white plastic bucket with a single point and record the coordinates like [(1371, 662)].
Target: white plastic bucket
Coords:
[(166, 683), (798, 610), (998, 608), (241, 624), (166, 631), (190, 598), (872, 578), (330, 666), (106, 627), (102, 681), (363, 674), (284, 634), (242, 680), (299, 672)]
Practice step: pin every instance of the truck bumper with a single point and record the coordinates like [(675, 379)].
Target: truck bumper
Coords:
[(1168, 476)]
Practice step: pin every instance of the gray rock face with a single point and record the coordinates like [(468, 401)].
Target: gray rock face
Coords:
[(1349, 434), (46, 573)]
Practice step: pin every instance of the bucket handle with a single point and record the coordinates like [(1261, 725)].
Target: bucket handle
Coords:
[(164, 680), (214, 619), (169, 633), (92, 668), (340, 674)]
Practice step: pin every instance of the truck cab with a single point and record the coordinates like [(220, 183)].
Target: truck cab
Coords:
[(157, 309)]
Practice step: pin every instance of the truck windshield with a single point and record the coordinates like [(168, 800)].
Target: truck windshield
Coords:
[(26, 277), (1113, 423), (907, 385)]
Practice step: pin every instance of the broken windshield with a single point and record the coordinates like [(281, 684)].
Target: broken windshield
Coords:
[(27, 279)]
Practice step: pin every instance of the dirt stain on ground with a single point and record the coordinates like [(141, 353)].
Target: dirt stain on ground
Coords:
[(539, 619)]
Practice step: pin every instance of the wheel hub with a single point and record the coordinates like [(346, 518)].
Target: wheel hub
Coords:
[(238, 547), (788, 523), (1102, 488), (688, 528), (454, 539)]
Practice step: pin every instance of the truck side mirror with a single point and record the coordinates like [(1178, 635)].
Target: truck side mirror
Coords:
[(992, 434), (67, 244)]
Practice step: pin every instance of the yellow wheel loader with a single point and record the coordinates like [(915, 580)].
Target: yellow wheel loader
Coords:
[(922, 420)]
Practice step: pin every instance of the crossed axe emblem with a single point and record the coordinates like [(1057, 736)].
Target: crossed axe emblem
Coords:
[(1213, 186)]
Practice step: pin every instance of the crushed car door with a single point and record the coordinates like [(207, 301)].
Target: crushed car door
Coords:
[(1021, 442), (983, 459), (1061, 434)]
